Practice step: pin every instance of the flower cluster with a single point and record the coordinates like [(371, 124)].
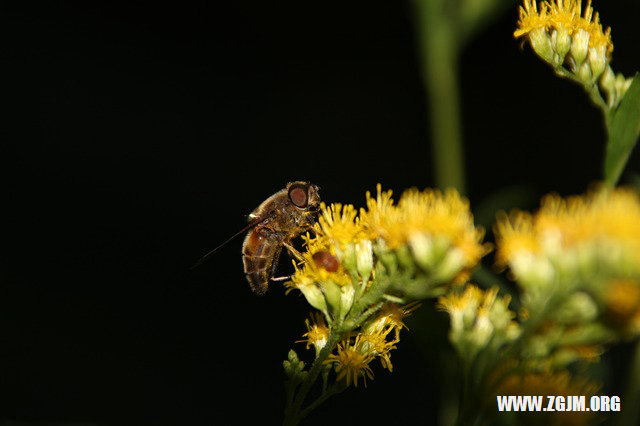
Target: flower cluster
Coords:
[(424, 242), (480, 320), (572, 40), (364, 271), (584, 250)]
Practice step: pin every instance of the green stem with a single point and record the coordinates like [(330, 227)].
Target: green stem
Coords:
[(592, 91), (295, 413), (468, 411), (438, 45), (334, 390), (373, 295), (366, 314)]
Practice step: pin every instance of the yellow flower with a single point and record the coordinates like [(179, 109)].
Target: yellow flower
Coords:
[(317, 332), (458, 303), (338, 225), (564, 15), (424, 220), (377, 344), (378, 209), (603, 214), (350, 363), (622, 302), (514, 234), (531, 19), (391, 315), (319, 266), (602, 218), (478, 318)]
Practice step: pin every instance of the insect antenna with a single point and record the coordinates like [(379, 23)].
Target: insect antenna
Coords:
[(212, 252)]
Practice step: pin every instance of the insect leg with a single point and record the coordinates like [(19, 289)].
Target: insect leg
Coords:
[(292, 251), (285, 278), (274, 265)]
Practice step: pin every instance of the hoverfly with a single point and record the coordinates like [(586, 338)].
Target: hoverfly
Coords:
[(279, 219)]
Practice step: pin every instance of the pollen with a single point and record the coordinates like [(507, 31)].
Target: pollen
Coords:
[(531, 18), (338, 224), (350, 363), (317, 332)]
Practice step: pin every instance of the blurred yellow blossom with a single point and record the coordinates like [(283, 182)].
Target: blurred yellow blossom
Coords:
[(571, 38), (600, 219), (351, 363), (317, 332)]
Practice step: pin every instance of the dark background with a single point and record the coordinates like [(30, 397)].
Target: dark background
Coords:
[(139, 135)]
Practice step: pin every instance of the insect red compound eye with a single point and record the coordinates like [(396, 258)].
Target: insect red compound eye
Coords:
[(326, 260), (298, 196)]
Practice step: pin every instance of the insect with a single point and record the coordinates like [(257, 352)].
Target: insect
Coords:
[(279, 219)]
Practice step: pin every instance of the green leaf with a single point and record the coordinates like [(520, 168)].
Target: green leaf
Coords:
[(624, 129)]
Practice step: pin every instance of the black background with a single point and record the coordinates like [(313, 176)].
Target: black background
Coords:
[(139, 135)]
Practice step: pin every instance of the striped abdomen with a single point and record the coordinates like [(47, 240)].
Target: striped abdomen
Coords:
[(260, 253)]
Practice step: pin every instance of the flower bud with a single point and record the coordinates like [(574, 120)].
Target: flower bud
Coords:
[(597, 60), (482, 330), (364, 259), (541, 44), (422, 249), (347, 295), (584, 73), (562, 42), (532, 271), (347, 257), (450, 266), (622, 85), (580, 46), (333, 296), (607, 83), (314, 296), (625, 87), (293, 366), (578, 308)]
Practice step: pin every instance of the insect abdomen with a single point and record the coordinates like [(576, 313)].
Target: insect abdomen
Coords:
[(259, 255)]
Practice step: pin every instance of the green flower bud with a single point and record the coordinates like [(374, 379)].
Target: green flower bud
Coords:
[(580, 46), (597, 60), (333, 296), (607, 84), (347, 257), (562, 43), (625, 87), (293, 366), (364, 260), (578, 308), (422, 249), (347, 295), (532, 271), (622, 85), (584, 73), (541, 44), (314, 296), (482, 331), (450, 266)]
